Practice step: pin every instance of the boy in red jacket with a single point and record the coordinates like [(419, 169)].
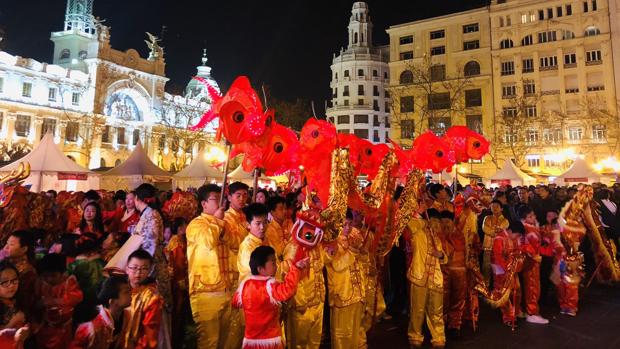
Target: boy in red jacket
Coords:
[(260, 297)]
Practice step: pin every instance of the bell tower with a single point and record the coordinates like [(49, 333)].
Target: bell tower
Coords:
[(78, 39), (360, 26)]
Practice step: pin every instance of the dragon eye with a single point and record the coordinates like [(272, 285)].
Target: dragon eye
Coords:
[(238, 117), (269, 121), (439, 153), (308, 236), (315, 134), (477, 144), (278, 147), (368, 152)]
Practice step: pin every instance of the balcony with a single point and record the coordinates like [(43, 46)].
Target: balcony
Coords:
[(570, 65), (547, 68), (550, 92), (588, 63), (571, 90)]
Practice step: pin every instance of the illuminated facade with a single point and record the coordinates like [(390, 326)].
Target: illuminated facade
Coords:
[(557, 57), (97, 101)]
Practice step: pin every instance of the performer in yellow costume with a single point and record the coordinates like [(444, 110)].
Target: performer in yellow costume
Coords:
[(426, 294), (493, 224), (347, 289), (209, 270), (276, 234), (256, 215)]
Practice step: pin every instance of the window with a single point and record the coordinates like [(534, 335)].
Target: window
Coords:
[(65, 54), (375, 121), (27, 89), (552, 163), (406, 55), (22, 125), (548, 62), (51, 94), (438, 101), (567, 35), (345, 92), (501, 21), (470, 28), (527, 40), (533, 161), (593, 56), (549, 13), (510, 137), (336, 76), (509, 112), (575, 134), (406, 77), (361, 133), (375, 91), (474, 123), (71, 132), (406, 129), (585, 6), (360, 90), (508, 68), (1, 119), (105, 134), (558, 11), (387, 107), (439, 125), (360, 119), (438, 50), (594, 8), (525, 18), (136, 136), (570, 59), (375, 73), (102, 163), (472, 68), (531, 136), (343, 119), (375, 105), (471, 45), (509, 91), (360, 101), (541, 15), (346, 73), (162, 142), (473, 98), (406, 104), (1, 84), (506, 43), (529, 88), (530, 111), (346, 102), (552, 136), (438, 72), (528, 65), (406, 39), (598, 134), (335, 94), (386, 93), (385, 75), (592, 30), (508, 21), (120, 135), (49, 125), (438, 34), (569, 10), (360, 72), (547, 36), (82, 55), (75, 98)]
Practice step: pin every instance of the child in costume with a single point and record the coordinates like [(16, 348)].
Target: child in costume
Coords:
[(13, 327), (260, 297), (505, 248)]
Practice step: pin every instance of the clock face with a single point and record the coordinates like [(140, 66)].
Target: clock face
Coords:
[(120, 105)]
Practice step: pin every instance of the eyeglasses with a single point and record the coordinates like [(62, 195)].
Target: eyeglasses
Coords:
[(134, 269), (8, 283)]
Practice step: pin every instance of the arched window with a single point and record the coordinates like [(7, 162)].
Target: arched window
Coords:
[(506, 43), (362, 37), (592, 30), (136, 136), (472, 68), (501, 21), (117, 162), (65, 54), (82, 55), (355, 38), (406, 77), (102, 162), (527, 40)]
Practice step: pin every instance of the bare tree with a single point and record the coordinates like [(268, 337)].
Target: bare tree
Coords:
[(428, 95)]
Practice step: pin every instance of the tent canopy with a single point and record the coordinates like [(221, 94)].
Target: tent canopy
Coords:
[(580, 172), (240, 175), (47, 158), (137, 164), (510, 172), (199, 168)]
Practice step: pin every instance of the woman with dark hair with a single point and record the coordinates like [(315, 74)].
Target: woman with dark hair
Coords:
[(13, 327), (92, 220), (131, 216), (262, 196)]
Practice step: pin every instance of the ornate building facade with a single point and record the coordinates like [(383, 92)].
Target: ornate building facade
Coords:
[(360, 75), (98, 102), (542, 80)]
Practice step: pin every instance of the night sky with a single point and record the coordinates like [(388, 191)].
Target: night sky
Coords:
[(285, 44)]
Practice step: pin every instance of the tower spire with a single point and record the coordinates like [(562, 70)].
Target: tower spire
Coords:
[(204, 57), (360, 26), (79, 17)]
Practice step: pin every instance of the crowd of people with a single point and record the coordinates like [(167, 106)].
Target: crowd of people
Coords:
[(124, 275)]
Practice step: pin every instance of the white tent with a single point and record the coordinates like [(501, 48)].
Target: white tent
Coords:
[(51, 169), (579, 172), (137, 169), (248, 178), (196, 174), (511, 175)]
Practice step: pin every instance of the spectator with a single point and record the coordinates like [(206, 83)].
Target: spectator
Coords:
[(13, 327), (543, 204), (92, 221), (19, 250), (609, 215), (261, 196)]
